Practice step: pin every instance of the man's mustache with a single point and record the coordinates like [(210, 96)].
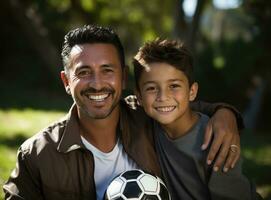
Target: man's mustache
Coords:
[(93, 90)]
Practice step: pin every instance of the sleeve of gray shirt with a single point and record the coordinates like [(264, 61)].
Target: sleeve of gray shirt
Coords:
[(232, 185)]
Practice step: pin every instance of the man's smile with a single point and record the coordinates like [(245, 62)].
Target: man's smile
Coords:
[(98, 97)]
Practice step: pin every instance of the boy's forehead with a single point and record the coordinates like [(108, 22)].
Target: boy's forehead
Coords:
[(162, 70)]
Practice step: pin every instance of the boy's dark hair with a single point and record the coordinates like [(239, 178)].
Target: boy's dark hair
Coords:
[(167, 51), (90, 34)]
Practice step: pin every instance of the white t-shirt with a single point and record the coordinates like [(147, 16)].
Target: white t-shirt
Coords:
[(108, 165)]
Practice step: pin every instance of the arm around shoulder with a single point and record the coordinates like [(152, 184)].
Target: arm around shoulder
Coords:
[(211, 108)]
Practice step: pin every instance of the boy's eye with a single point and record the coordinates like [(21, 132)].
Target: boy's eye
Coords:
[(150, 88), (174, 86)]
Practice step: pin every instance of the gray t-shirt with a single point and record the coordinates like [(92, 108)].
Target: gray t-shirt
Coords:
[(188, 176)]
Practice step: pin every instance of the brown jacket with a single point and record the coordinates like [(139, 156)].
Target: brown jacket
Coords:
[(54, 164)]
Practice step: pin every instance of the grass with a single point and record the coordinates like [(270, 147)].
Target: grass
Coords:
[(256, 150), (17, 125)]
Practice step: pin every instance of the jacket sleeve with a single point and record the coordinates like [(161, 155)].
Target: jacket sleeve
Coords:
[(210, 108), (23, 182)]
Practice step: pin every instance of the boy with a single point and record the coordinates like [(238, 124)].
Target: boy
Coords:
[(165, 87)]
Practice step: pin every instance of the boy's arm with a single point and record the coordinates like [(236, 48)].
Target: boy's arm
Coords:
[(223, 127)]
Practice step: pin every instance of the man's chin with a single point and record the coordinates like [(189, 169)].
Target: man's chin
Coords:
[(99, 114)]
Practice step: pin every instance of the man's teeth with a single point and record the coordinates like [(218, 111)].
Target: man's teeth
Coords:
[(100, 97), (165, 109)]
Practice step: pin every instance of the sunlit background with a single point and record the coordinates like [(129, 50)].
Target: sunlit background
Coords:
[(230, 41)]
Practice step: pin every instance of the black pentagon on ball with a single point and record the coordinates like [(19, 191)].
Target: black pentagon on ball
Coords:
[(132, 190), (132, 174), (163, 192), (149, 197)]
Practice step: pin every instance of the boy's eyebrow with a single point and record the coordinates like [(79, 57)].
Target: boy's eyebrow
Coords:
[(172, 80), (148, 82)]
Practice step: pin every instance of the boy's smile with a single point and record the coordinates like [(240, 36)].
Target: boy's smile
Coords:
[(165, 109), (165, 94)]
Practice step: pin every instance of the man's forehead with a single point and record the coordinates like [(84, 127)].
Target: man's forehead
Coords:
[(76, 49), (93, 53), (94, 47)]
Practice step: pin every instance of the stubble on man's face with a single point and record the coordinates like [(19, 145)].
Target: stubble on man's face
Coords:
[(95, 79)]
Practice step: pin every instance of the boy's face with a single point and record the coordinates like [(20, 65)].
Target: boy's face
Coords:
[(165, 93)]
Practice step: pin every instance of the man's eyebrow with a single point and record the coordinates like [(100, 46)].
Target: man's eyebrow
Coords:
[(108, 65), (80, 67)]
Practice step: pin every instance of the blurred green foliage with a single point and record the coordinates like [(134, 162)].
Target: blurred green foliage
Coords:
[(230, 46)]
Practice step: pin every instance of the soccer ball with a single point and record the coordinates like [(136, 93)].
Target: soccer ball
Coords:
[(137, 185)]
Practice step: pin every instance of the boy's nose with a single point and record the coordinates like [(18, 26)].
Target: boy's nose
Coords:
[(162, 95)]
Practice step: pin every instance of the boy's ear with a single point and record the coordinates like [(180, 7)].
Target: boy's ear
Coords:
[(193, 91), (65, 82)]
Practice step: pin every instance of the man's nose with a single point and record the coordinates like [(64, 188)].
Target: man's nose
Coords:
[(96, 81)]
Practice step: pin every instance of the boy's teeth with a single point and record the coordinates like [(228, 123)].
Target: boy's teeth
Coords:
[(165, 109), (100, 97)]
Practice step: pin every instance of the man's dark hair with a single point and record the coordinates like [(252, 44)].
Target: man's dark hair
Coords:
[(172, 52), (90, 34)]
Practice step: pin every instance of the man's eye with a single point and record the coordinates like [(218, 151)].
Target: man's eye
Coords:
[(83, 73), (108, 70)]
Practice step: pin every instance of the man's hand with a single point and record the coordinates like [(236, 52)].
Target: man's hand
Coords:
[(226, 140)]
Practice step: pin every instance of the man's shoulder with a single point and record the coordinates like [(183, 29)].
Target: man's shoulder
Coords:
[(132, 109), (47, 137)]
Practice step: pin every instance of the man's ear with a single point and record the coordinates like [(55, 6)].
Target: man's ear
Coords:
[(193, 91), (65, 82)]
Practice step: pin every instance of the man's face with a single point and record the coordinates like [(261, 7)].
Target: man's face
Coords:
[(95, 79)]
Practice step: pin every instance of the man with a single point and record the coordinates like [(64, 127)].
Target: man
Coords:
[(101, 136)]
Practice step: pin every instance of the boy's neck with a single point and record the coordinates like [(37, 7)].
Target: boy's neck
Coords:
[(181, 126)]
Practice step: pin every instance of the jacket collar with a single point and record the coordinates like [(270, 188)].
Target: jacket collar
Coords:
[(70, 139)]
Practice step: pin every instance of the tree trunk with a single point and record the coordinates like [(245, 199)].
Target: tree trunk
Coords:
[(29, 23), (194, 28), (181, 26), (184, 30)]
